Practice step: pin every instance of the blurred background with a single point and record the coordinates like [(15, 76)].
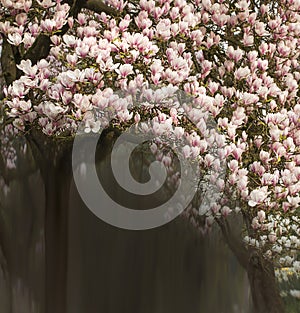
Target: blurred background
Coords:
[(171, 269)]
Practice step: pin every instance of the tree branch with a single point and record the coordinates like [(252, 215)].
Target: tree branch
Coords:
[(39, 50), (8, 62), (234, 243), (98, 6)]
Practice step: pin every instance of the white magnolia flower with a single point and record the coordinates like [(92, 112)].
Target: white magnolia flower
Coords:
[(295, 293)]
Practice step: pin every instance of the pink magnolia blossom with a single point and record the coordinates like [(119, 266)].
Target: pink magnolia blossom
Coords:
[(15, 39), (125, 70), (241, 73), (258, 196)]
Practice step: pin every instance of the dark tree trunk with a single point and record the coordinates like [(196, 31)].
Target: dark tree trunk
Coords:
[(54, 161), (57, 186), (264, 288)]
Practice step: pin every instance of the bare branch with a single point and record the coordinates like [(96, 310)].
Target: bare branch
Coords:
[(39, 50), (8, 62), (98, 6)]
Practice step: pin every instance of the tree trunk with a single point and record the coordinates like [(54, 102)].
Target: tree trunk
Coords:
[(264, 288), (54, 161), (57, 186)]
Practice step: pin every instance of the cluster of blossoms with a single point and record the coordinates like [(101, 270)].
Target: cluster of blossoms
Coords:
[(24, 20), (238, 60), (279, 233)]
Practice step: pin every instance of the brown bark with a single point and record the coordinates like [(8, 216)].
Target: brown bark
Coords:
[(39, 50), (57, 186), (264, 288), (98, 6), (8, 62), (54, 161), (265, 292)]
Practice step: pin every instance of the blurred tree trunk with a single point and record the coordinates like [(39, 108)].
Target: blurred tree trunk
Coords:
[(57, 184), (54, 161), (264, 288)]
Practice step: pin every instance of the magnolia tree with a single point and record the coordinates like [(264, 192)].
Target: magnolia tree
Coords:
[(238, 61)]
